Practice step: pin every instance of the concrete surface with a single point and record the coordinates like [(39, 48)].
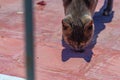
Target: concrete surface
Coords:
[(54, 61)]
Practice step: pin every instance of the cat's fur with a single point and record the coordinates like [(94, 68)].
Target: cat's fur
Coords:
[(78, 26)]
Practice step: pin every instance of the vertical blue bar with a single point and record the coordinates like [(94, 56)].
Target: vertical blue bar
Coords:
[(29, 39)]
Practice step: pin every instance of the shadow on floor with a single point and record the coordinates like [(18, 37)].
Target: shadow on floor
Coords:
[(99, 22)]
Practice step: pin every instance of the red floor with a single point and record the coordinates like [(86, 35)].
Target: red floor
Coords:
[(53, 60)]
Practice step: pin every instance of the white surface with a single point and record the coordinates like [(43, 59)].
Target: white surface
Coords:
[(7, 77)]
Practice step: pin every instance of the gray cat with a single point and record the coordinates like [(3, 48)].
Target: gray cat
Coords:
[(78, 26)]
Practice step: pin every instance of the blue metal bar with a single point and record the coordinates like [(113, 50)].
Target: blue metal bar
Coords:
[(29, 39)]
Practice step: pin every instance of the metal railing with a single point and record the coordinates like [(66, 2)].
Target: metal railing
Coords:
[(29, 39)]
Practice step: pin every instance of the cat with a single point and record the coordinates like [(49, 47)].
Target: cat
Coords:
[(78, 24)]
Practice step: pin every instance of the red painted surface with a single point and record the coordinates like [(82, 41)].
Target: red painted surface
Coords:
[(54, 61)]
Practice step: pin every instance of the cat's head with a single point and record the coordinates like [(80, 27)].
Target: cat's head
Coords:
[(77, 32)]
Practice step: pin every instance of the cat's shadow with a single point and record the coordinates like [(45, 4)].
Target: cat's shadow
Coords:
[(68, 53), (99, 21)]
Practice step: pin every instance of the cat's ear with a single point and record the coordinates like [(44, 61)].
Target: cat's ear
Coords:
[(87, 22), (66, 22), (65, 25), (89, 25)]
